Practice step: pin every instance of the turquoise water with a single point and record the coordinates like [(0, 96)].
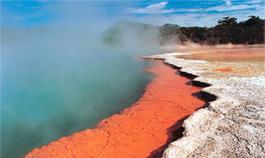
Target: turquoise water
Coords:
[(52, 88)]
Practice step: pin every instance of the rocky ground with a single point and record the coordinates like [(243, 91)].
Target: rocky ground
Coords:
[(233, 125)]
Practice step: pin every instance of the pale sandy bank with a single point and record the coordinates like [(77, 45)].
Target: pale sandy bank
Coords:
[(233, 125)]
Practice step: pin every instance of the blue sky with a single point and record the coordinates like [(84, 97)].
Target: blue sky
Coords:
[(182, 12)]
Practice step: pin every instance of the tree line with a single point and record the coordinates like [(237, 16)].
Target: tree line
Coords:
[(227, 30)]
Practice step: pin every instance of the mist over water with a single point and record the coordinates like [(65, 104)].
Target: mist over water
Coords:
[(59, 81)]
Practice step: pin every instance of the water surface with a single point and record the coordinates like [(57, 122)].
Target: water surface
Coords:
[(52, 87)]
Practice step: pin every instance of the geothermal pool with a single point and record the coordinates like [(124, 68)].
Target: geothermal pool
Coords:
[(52, 90), (142, 130)]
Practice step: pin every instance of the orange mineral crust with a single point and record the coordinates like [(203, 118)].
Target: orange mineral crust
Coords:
[(226, 69), (139, 131)]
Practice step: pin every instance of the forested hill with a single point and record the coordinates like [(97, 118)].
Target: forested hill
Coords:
[(227, 30)]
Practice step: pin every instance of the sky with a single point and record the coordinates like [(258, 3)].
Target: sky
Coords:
[(101, 14)]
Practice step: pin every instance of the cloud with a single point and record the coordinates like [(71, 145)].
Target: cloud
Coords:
[(180, 19), (226, 8), (228, 2), (22, 13), (200, 18), (198, 15), (231, 8), (254, 2), (157, 8)]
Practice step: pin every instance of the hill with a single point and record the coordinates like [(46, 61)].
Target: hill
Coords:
[(227, 30), (130, 33)]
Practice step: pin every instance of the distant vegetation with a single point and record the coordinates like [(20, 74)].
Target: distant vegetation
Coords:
[(227, 30)]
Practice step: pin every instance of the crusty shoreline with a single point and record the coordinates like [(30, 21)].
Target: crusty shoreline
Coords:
[(231, 126), (142, 130)]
